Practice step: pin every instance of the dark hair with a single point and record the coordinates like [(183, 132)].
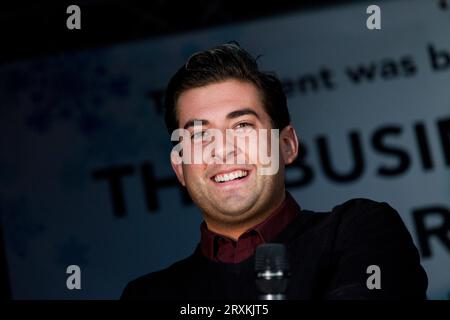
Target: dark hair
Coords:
[(226, 61)]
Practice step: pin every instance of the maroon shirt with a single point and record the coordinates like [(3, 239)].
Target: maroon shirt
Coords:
[(220, 248)]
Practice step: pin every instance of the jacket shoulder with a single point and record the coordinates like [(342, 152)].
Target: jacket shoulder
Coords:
[(362, 211), (360, 206), (373, 233), (350, 212)]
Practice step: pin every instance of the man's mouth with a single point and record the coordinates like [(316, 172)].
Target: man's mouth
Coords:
[(230, 176)]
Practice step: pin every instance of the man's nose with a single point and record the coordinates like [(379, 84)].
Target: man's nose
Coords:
[(224, 148)]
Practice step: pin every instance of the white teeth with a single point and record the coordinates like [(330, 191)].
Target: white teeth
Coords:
[(230, 176)]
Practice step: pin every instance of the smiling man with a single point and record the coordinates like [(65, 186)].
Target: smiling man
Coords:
[(226, 111), (233, 197)]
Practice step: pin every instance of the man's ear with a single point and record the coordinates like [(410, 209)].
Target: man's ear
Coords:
[(177, 167), (288, 144)]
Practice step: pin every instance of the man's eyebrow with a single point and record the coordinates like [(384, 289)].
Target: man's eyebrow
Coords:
[(193, 122), (232, 115), (241, 112)]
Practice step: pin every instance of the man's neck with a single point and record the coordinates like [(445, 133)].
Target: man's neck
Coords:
[(235, 231)]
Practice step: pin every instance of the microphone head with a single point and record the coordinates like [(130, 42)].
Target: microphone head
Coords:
[(272, 271), (271, 257)]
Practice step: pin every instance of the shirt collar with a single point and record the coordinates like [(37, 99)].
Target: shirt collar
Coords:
[(213, 243)]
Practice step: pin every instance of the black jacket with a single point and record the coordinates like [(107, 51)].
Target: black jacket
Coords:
[(329, 255)]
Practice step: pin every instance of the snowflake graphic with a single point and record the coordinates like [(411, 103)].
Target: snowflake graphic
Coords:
[(67, 88)]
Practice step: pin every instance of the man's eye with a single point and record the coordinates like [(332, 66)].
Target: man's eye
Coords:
[(243, 125)]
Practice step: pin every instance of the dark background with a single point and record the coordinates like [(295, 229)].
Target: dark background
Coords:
[(38, 28)]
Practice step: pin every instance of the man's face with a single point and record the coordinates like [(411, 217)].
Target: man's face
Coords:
[(219, 106)]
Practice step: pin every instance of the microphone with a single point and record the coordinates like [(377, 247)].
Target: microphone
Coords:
[(272, 271)]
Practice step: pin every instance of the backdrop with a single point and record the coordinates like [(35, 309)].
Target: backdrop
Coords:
[(85, 175)]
